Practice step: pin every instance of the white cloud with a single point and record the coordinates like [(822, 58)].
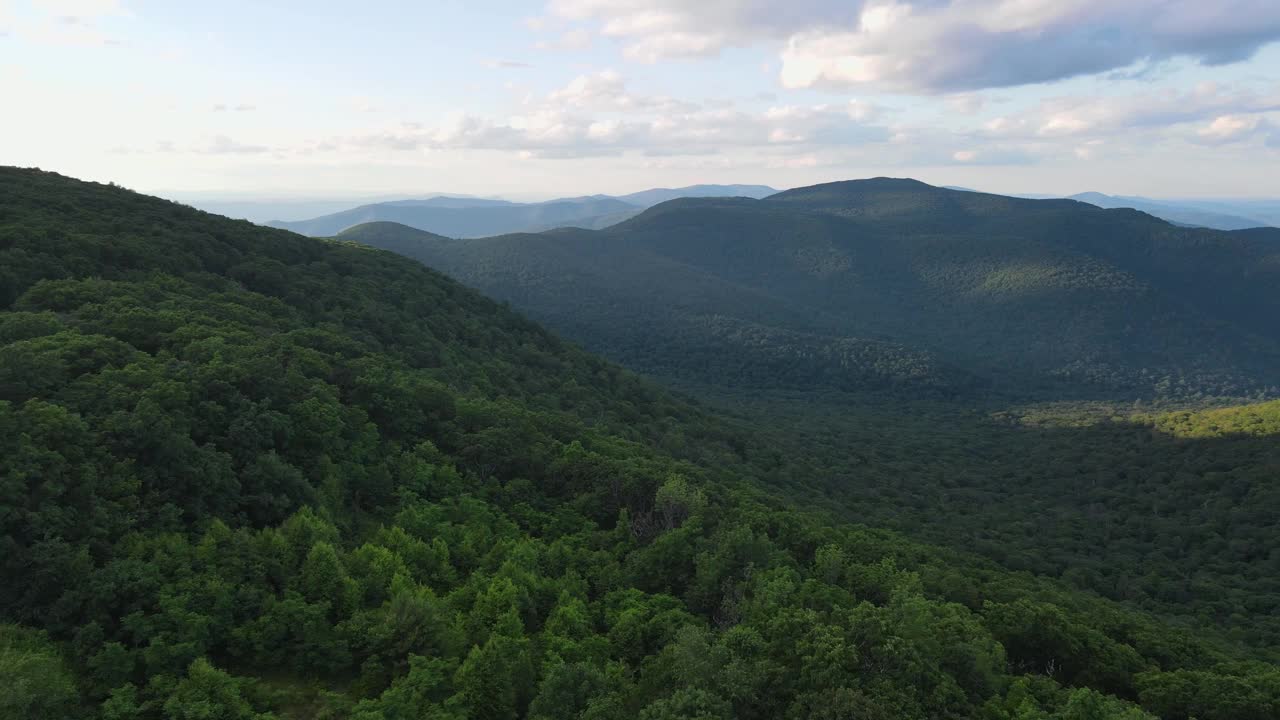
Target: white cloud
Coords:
[(1065, 117), (657, 29), (501, 64), (596, 114), (223, 145), (966, 103), (861, 110), (971, 44), (937, 46), (607, 90), (1089, 150), (1231, 128)]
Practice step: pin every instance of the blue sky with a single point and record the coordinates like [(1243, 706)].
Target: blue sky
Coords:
[(533, 99)]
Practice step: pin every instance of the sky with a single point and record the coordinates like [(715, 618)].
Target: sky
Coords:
[(315, 99)]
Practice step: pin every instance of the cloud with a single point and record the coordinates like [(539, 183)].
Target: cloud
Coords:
[(1089, 150), (966, 103), (1065, 117), (240, 107), (994, 156), (607, 90), (596, 114), (973, 44), (1232, 128), (658, 29), (508, 64), (937, 46), (223, 145)]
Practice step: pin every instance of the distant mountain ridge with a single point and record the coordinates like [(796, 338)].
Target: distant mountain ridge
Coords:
[(893, 283), (1175, 213), (649, 198), (463, 217), (1213, 214)]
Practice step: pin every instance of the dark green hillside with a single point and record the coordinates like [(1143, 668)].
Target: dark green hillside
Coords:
[(906, 203), (667, 317), (1033, 298), (1230, 274), (1182, 528), (247, 474)]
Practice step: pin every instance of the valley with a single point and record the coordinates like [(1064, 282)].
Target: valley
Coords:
[(276, 476)]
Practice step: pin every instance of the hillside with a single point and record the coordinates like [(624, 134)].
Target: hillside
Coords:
[(661, 316), (1051, 298), (248, 474)]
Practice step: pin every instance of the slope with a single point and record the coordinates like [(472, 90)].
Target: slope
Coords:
[(250, 474), (1043, 298), (665, 317)]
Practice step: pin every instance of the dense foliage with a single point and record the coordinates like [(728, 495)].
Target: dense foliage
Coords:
[(246, 474), (1049, 299), (1174, 512)]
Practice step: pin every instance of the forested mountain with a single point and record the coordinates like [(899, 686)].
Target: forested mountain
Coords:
[(463, 217), (894, 283), (248, 474), (729, 297)]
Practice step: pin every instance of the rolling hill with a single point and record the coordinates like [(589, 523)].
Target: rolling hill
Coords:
[(249, 474), (463, 217), (469, 218), (896, 284)]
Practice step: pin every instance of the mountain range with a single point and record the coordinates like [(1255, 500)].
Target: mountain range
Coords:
[(1220, 214), (1180, 213), (473, 217), (250, 474), (886, 282)]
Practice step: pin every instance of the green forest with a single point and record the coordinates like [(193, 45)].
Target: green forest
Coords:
[(250, 474), (879, 285)]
